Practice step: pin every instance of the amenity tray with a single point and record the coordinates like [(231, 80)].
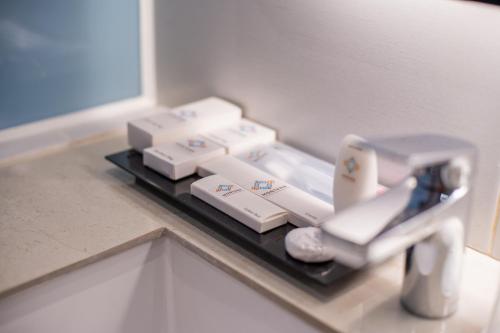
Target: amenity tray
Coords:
[(267, 249)]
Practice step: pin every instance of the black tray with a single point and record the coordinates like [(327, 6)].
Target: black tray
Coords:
[(267, 249)]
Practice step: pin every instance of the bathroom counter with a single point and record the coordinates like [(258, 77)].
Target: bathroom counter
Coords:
[(62, 210)]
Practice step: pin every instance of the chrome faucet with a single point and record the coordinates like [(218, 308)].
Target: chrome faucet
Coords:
[(425, 213)]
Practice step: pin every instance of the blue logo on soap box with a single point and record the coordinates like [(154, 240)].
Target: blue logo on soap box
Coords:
[(224, 188), (248, 128), (188, 114), (262, 185), (197, 143), (255, 155)]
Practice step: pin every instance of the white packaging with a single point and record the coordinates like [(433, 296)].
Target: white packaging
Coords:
[(242, 136), (356, 173), (308, 173), (303, 208), (190, 119), (244, 206), (179, 158)]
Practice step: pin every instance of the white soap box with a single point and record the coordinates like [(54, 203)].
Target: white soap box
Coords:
[(303, 209), (178, 159), (242, 136), (244, 206), (202, 116)]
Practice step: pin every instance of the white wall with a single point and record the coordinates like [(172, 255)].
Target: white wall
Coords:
[(320, 69)]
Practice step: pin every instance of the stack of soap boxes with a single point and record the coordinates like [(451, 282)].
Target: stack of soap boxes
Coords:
[(197, 137)]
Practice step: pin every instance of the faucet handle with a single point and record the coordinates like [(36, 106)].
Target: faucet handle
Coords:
[(421, 150), (364, 221)]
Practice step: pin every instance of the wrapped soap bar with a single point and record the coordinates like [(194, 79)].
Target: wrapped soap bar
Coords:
[(242, 205), (198, 117), (179, 158)]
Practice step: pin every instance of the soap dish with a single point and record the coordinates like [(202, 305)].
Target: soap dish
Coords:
[(267, 249)]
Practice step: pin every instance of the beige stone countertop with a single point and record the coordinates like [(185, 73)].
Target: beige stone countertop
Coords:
[(65, 209)]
